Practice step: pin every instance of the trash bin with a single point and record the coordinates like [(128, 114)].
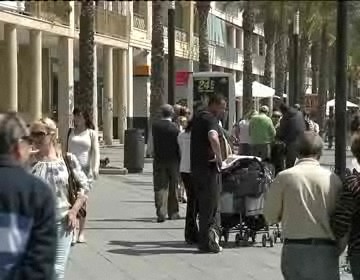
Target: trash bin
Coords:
[(134, 150)]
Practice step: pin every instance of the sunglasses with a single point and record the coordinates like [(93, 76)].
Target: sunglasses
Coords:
[(27, 139), (36, 134)]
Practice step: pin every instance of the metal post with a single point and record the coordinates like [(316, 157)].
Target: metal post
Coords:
[(171, 53), (341, 92), (296, 64)]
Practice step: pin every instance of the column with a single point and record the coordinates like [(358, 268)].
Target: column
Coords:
[(122, 95), (65, 86), (95, 92), (233, 37), (130, 100), (148, 18), (36, 72), (11, 66), (108, 95)]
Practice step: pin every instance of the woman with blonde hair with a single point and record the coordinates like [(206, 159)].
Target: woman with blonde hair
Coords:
[(51, 166)]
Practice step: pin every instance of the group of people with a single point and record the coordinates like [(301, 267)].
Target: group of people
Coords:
[(44, 189), (194, 153)]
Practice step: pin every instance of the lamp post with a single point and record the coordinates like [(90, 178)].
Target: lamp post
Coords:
[(341, 92), (171, 53), (296, 65)]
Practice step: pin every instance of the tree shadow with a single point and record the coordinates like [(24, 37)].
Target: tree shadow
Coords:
[(136, 220), (152, 248)]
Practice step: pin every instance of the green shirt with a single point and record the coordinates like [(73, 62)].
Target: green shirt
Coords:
[(261, 129)]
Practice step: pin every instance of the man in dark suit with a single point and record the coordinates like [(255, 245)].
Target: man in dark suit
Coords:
[(166, 165)]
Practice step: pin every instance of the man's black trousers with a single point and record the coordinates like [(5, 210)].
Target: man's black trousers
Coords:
[(207, 184)]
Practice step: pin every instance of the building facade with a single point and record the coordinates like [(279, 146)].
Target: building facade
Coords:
[(40, 69)]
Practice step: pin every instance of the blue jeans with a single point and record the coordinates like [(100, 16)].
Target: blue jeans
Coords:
[(310, 262), (62, 248)]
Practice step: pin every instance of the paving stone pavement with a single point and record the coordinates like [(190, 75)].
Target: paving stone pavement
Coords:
[(125, 242)]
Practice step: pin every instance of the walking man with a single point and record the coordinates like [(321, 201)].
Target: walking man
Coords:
[(206, 164), (166, 165), (27, 209), (303, 198)]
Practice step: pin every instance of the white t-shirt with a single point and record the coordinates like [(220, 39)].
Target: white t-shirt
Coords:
[(184, 145), (244, 132), (80, 146)]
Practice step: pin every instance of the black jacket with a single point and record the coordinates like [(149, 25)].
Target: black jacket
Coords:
[(166, 148), (29, 202), (292, 125)]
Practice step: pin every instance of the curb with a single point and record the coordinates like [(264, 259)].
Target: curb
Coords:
[(113, 171)]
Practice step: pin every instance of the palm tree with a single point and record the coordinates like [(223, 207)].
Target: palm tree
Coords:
[(281, 50), (270, 37), (203, 8), (315, 57), (248, 26), (84, 97), (157, 97), (157, 59)]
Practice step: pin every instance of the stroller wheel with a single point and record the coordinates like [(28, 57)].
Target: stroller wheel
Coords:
[(263, 240), (271, 241), (253, 236)]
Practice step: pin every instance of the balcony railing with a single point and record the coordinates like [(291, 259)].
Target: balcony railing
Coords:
[(110, 23), (53, 11), (139, 22), (180, 35)]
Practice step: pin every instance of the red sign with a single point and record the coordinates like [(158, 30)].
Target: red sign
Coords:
[(182, 78)]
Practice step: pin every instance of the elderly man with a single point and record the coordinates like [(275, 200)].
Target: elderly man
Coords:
[(27, 212), (166, 165), (303, 198), (262, 133)]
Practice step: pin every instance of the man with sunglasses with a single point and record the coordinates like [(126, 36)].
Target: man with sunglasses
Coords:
[(27, 212)]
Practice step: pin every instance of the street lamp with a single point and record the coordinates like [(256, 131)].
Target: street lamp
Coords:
[(171, 53), (341, 93), (296, 33)]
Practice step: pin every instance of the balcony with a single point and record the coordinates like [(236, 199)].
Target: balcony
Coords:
[(139, 21), (109, 23), (53, 11), (180, 35)]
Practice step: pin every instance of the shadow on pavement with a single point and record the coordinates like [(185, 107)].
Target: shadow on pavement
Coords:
[(152, 248), (132, 228), (137, 220)]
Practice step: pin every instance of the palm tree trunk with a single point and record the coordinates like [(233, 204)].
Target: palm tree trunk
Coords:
[(248, 26), (84, 98), (315, 66), (203, 8), (157, 59), (269, 31), (331, 73), (281, 53), (323, 77), (304, 60)]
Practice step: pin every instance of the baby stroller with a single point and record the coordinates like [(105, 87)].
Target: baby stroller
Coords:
[(245, 180)]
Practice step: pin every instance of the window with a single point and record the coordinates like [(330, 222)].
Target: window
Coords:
[(196, 22), (178, 15), (238, 76), (261, 46), (136, 7), (239, 39), (255, 44)]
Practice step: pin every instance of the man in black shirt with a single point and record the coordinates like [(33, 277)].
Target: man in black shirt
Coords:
[(206, 164), (166, 165)]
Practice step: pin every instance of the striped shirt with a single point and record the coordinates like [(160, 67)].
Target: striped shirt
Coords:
[(346, 218)]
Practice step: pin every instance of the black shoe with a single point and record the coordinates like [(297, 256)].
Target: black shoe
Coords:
[(191, 241), (175, 216), (214, 241), (161, 219)]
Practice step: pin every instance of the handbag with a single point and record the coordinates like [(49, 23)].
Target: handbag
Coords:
[(73, 189)]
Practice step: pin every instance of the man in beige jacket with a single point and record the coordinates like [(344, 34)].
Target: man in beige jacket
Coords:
[(302, 198)]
